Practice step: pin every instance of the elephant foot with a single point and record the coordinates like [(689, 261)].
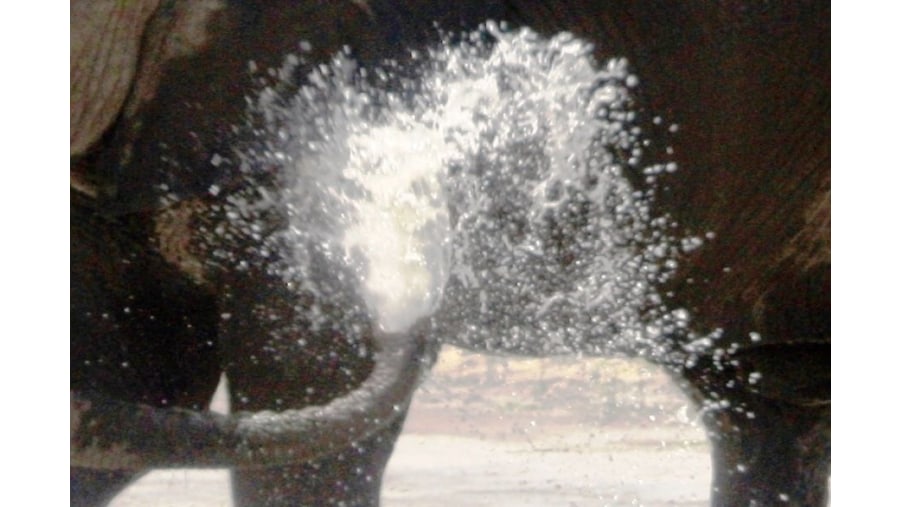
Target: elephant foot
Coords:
[(90, 488), (350, 478)]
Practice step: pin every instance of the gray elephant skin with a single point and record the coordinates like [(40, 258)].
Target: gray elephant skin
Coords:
[(158, 312)]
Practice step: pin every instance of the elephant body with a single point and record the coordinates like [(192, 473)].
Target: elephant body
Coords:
[(163, 301)]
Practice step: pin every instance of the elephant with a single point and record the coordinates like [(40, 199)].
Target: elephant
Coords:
[(156, 317), (168, 291)]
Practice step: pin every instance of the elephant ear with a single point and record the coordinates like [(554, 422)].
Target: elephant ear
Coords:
[(114, 435), (145, 105), (103, 60)]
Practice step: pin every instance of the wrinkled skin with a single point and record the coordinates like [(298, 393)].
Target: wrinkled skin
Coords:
[(748, 85)]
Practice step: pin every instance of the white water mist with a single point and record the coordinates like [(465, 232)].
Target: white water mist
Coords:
[(487, 194)]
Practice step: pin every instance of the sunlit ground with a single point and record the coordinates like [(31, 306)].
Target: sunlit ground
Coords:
[(500, 432)]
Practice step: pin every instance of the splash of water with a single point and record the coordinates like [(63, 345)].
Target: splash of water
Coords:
[(488, 195)]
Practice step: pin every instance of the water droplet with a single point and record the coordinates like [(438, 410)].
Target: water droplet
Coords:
[(523, 141)]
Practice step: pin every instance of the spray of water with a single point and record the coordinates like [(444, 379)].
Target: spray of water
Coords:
[(486, 194)]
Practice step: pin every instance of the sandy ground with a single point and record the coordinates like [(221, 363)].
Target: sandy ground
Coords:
[(451, 471), (502, 433)]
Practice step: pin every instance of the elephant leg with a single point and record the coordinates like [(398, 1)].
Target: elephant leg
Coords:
[(139, 330), (767, 412), (782, 458), (349, 476)]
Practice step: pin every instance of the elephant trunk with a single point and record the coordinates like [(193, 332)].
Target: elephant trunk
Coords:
[(114, 435)]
